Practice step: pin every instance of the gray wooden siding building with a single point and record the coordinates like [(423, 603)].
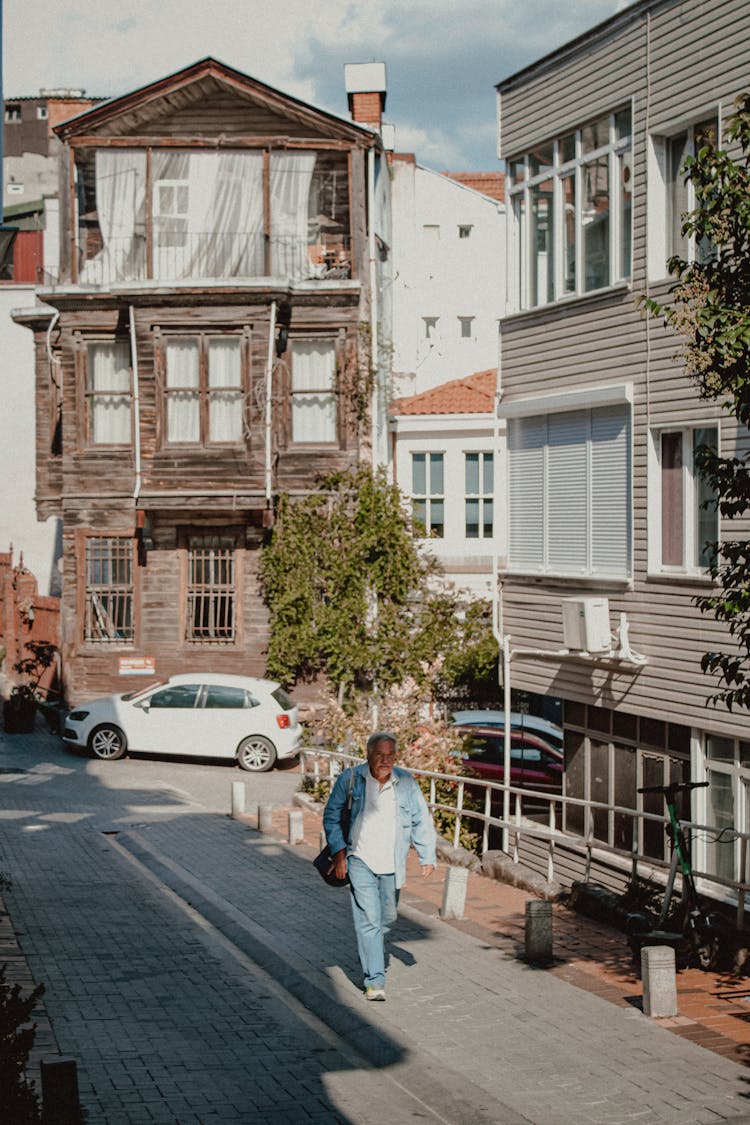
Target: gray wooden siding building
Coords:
[(602, 498)]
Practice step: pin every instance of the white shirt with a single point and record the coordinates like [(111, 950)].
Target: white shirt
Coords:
[(375, 844)]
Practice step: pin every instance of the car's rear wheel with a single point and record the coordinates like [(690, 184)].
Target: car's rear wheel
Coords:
[(108, 743), (256, 754)]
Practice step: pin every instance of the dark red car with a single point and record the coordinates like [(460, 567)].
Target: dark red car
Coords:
[(534, 763)]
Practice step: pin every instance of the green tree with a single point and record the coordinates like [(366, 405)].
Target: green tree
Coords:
[(350, 593), (710, 310)]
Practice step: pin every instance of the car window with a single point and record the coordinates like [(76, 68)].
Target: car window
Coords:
[(178, 695), (285, 702), (219, 695)]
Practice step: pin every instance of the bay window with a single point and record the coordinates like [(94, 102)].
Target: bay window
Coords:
[(569, 491), (571, 204), (204, 390)]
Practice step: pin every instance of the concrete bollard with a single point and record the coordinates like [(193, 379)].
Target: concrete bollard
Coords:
[(454, 892), (60, 1102), (659, 981), (238, 798), (296, 826), (265, 818), (538, 932)]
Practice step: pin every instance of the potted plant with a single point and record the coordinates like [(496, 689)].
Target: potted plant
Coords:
[(19, 710)]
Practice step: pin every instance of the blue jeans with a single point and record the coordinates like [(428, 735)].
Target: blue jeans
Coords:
[(374, 902)]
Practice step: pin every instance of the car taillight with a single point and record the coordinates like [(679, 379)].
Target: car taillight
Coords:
[(283, 720)]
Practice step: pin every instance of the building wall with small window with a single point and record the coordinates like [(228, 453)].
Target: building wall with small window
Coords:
[(448, 259), (604, 498)]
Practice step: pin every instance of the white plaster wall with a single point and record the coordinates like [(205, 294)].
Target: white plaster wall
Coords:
[(39, 542), (438, 274)]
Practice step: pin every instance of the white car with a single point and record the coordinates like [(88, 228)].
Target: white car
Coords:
[(203, 714)]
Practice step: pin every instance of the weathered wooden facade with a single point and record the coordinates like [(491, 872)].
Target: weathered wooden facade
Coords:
[(603, 499), (203, 351)]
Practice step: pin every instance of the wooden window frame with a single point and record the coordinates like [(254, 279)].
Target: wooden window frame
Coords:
[(84, 537), (334, 391), (86, 393), (204, 391), (204, 644)]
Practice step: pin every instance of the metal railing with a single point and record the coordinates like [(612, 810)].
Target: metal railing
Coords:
[(322, 766)]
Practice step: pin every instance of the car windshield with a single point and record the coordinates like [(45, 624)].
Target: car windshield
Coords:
[(143, 691)]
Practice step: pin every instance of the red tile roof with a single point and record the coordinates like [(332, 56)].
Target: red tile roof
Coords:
[(474, 394), (488, 183)]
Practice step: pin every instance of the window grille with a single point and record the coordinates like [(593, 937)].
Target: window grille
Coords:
[(109, 591), (211, 589)]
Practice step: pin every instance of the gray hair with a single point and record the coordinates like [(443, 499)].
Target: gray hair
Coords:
[(380, 736)]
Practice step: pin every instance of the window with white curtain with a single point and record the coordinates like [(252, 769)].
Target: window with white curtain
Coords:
[(109, 393), (569, 492), (204, 390), (290, 180), (314, 410)]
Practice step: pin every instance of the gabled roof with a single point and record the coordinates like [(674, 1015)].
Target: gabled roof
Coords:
[(474, 394), (164, 99)]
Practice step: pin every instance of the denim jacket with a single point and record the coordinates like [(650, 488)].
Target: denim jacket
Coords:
[(414, 823)]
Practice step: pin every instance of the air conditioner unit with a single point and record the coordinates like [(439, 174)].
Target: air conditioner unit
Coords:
[(586, 624)]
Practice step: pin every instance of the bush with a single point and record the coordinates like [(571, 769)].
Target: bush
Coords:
[(18, 1098)]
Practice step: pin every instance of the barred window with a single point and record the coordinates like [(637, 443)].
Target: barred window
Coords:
[(211, 589), (109, 590)]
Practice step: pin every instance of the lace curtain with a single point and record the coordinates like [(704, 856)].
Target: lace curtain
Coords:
[(313, 391), (121, 210), (183, 390), (109, 386), (225, 390)]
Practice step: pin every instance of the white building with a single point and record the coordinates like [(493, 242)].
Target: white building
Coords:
[(444, 456), (448, 275)]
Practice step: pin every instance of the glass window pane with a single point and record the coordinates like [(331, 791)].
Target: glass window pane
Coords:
[(574, 779), (541, 159), (183, 416), (224, 368), (672, 518), (707, 516), (488, 520), (437, 525), (436, 474), (516, 171), (472, 519), (568, 148), (183, 362), (677, 194), (654, 836), (595, 224), (599, 787), (623, 124), (472, 473), (719, 749), (625, 166), (418, 474), (519, 212), (625, 796), (217, 695), (568, 185), (720, 852), (178, 695), (542, 243), (419, 512), (488, 474), (595, 135)]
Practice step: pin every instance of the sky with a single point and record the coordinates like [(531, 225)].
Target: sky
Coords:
[(443, 57)]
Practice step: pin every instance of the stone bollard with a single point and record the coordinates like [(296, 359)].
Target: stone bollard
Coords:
[(265, 818), (238, 798), (296, 826), (659, 981), (538, 932), (60, 1102), (454, 892)]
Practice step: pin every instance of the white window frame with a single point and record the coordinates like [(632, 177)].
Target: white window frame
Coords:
[(428, 497), (482, 496), (588, 413), (737, 772), (690, 500), (618, 153)]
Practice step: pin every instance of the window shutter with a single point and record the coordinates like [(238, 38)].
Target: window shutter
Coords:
[(526, 442), (567, 491), (610, 490)]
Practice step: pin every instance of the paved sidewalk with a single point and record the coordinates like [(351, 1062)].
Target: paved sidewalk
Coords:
[(201, 972)]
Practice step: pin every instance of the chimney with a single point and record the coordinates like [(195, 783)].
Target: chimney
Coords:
[(366, 90)]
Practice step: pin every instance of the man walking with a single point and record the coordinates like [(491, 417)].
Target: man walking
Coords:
[(388, 814)]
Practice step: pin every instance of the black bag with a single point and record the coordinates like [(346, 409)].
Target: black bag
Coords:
[(324, 859)]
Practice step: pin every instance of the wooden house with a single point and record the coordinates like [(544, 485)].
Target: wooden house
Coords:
[(207, 346)]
